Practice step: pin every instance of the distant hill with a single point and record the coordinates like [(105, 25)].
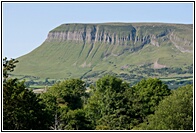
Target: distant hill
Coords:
[(129, 50)]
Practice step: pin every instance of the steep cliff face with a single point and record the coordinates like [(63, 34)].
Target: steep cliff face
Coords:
[(123, 34), (95, 33), (181, 44)]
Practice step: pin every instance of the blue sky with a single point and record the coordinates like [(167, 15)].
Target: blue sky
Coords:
[(26, 25)]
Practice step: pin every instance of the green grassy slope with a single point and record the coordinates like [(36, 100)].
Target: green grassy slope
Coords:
[(73, 59)]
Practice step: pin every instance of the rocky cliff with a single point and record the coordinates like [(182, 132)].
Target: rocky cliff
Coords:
[(121, 34), (96, 33)]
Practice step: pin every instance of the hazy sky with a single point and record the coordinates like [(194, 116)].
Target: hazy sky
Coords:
[(26, 25)]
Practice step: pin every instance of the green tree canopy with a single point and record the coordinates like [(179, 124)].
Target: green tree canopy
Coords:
[(63, 97), (8, 66), (142, 99), (68, 92), (106, 103), (150, 92), (116, 105), (175, 112), (22, 109), (75, 120)]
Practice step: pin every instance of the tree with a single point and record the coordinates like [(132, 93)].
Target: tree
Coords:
[(52, 107), (63, 97), (146, 95), (75, 120), (105, 108), (8, 66), (175, 112), (68, 92), (21, 108), (115, 105)]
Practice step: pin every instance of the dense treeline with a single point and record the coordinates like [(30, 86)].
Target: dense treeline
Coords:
[(110, 104)]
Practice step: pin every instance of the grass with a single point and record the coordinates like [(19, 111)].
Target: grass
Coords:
[(37, 86), (73, 59)]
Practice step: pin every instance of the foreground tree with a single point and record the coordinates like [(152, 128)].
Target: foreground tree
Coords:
[(175, 112), (106, 108), (8, 66), (22, 109), (144, 97), (116, 106), (63, 99), (149, 93), (75, 120)]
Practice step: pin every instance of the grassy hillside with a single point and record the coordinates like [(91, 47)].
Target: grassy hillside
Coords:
[(59, 59)]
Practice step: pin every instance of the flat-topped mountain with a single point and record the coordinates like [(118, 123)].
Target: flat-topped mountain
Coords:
[(134, 35), (90, 50)]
